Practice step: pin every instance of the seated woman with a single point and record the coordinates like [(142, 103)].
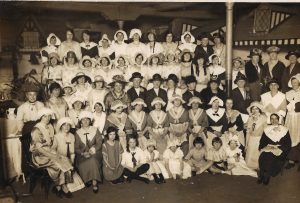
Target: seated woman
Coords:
[(98, 92), (82, 84), (56, 103), (64, 145), (179, 122), (235, 159), (172, 89), (99, 116), (78, 104), (44, 155), (154, 67), (134, 162), (157, 169), (68, 90), (88, 143), (171, 65), (274, 146), (69, 45), (157, 124), (112, 155), (201, 72), (173, 158), (216, 155), (216, 70), (137, 120), (52, 44), (197, 120), (86, 65), (186, 65), (196, 157)]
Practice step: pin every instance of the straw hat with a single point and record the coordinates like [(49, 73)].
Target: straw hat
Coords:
[(214, 98), (79, 75), (116, 104), (118, 79), (158, 100), (139, 101), (194, 100), (99, 78), (273, 49)]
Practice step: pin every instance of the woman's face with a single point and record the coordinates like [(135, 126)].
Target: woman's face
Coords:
[(53, 40), (119, 110), (121, 61), (71, 61), (69, 36), (46, 118), (293, 59), (31, 96), (139, 59), (87, 64), (229, 104), (274, 120), (295, 84), (98, 108), (112, 136), (118, 87), (216, 104), (65, 128), (157, 106), (217, 40), (53, 61), (77, 105), (86, 37), (171, 57), (198, 146), (81, 80), (195, 105), (136, 82), (273, 55), (255, 110), (170, 84), (68, 90), (85, 122), (232, 145), (132, 143), (104, 61), (186, 57), (187, 38), (215, 61), (204, 42), (120, 37), (274, 87), (177, 102), (138, 107), (155, 60), (217, 145), (56, 92), (99, 85), (151, 37), (150, 148), (136, 37), (200, 61), (236, 64), (241, 83), (156, 83), (105, 43), (214, 86), (169, 38)]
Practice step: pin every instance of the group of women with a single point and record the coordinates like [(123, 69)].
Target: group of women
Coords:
[(122, 111)]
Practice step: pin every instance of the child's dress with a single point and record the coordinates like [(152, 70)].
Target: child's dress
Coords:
[(196, 159), (156, 166), (218, 157), (174, 159), (239, 167)]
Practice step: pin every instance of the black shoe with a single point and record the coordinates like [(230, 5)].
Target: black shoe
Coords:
[(95, 189), (162, 178), (88, 184), (290, 165), (156, 179), (67, 195), (266, 180), (193, 173), (58, 193), (259, 180)]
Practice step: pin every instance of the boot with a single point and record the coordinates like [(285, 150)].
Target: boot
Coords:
[(162, 178), (156, 179)]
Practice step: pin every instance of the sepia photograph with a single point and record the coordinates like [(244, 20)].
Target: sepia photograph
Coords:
[(149, 101)]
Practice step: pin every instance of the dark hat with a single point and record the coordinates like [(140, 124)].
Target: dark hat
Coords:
[(136, 75), (255, 52), (156, 77), (173, 77), (215, 79), (30, 87), (273, 80), (290, 53), (240, 76), (118, 79), (79, 75), (190, 79), (204, 35), (273, 49)]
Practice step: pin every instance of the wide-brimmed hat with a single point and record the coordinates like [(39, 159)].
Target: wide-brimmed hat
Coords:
[(67, 84), (240, 76), (214, 98), (211, 56), (239, 59), (150, 142), (87, 58), (173, 77), (256, 104), (104, 37), (194, 100), (58, 42), (190, 79), (79, 75), (63, 121), (53, 55), (158, 100), (139, 101), (99, 78), (255, 52), (118, 79), (30, 87), (135, 31), (297, 77), (85, 114), (176, 96), (156, 77), (136, 75), (116, 104), (77, 98), (45, 111), (204, 35), (290, 53), (124, 34), (187, 33), (273, 49)]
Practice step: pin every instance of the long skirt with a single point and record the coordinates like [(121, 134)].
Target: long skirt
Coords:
[(240, 168), (292, 123), (175, 168), (252, 152), (89, 168), (255, 90), (270, 164)]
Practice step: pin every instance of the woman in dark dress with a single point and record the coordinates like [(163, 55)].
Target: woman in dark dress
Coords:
[(88, 48), (274, 146)]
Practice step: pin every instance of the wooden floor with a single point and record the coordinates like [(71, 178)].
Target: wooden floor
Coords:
[(203, 188)]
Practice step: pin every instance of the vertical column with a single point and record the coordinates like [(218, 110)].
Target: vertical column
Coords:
[(229, 28)]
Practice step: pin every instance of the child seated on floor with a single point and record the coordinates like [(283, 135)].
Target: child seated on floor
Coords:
[(216, 155), (196, 157), (235, 159), (173, 157), (157, 168)]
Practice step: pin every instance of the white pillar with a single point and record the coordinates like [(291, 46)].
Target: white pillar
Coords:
[(229, 42)]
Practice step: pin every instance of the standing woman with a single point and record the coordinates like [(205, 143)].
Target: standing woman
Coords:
[(154, 66), (171, 65), (216, 70), (157, 124), (136, 46), (169, 45), (178, 118), (201, 72), (274, 147), (69, 45), (105, 48), (293, 118), (112, 156), (56, 103), (70, 67), (187, 42), (98, 92), (119, 44), (88, 48), (88, 143), (220, 48), (53, 71), (256, 124), (153, 47), (52, 44), (172, 89), (186, 65)]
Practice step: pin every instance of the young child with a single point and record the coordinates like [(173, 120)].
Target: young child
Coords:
[(173, 157), (216, 155), (157, 169), (236, 162), (196, 157)]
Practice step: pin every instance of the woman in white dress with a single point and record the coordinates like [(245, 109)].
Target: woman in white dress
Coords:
[(86, 65), (99, 116), (105, 48), (153, 47), (136, 46), (154, 67), (122, 64), (187, 42), (119, 44), (70, 67), (52, 47), (201, 73), (82, 85), (53, 71), (69, 45), (78, 104), (68, 90), (138, 66), (98, 92), (171, 65)]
